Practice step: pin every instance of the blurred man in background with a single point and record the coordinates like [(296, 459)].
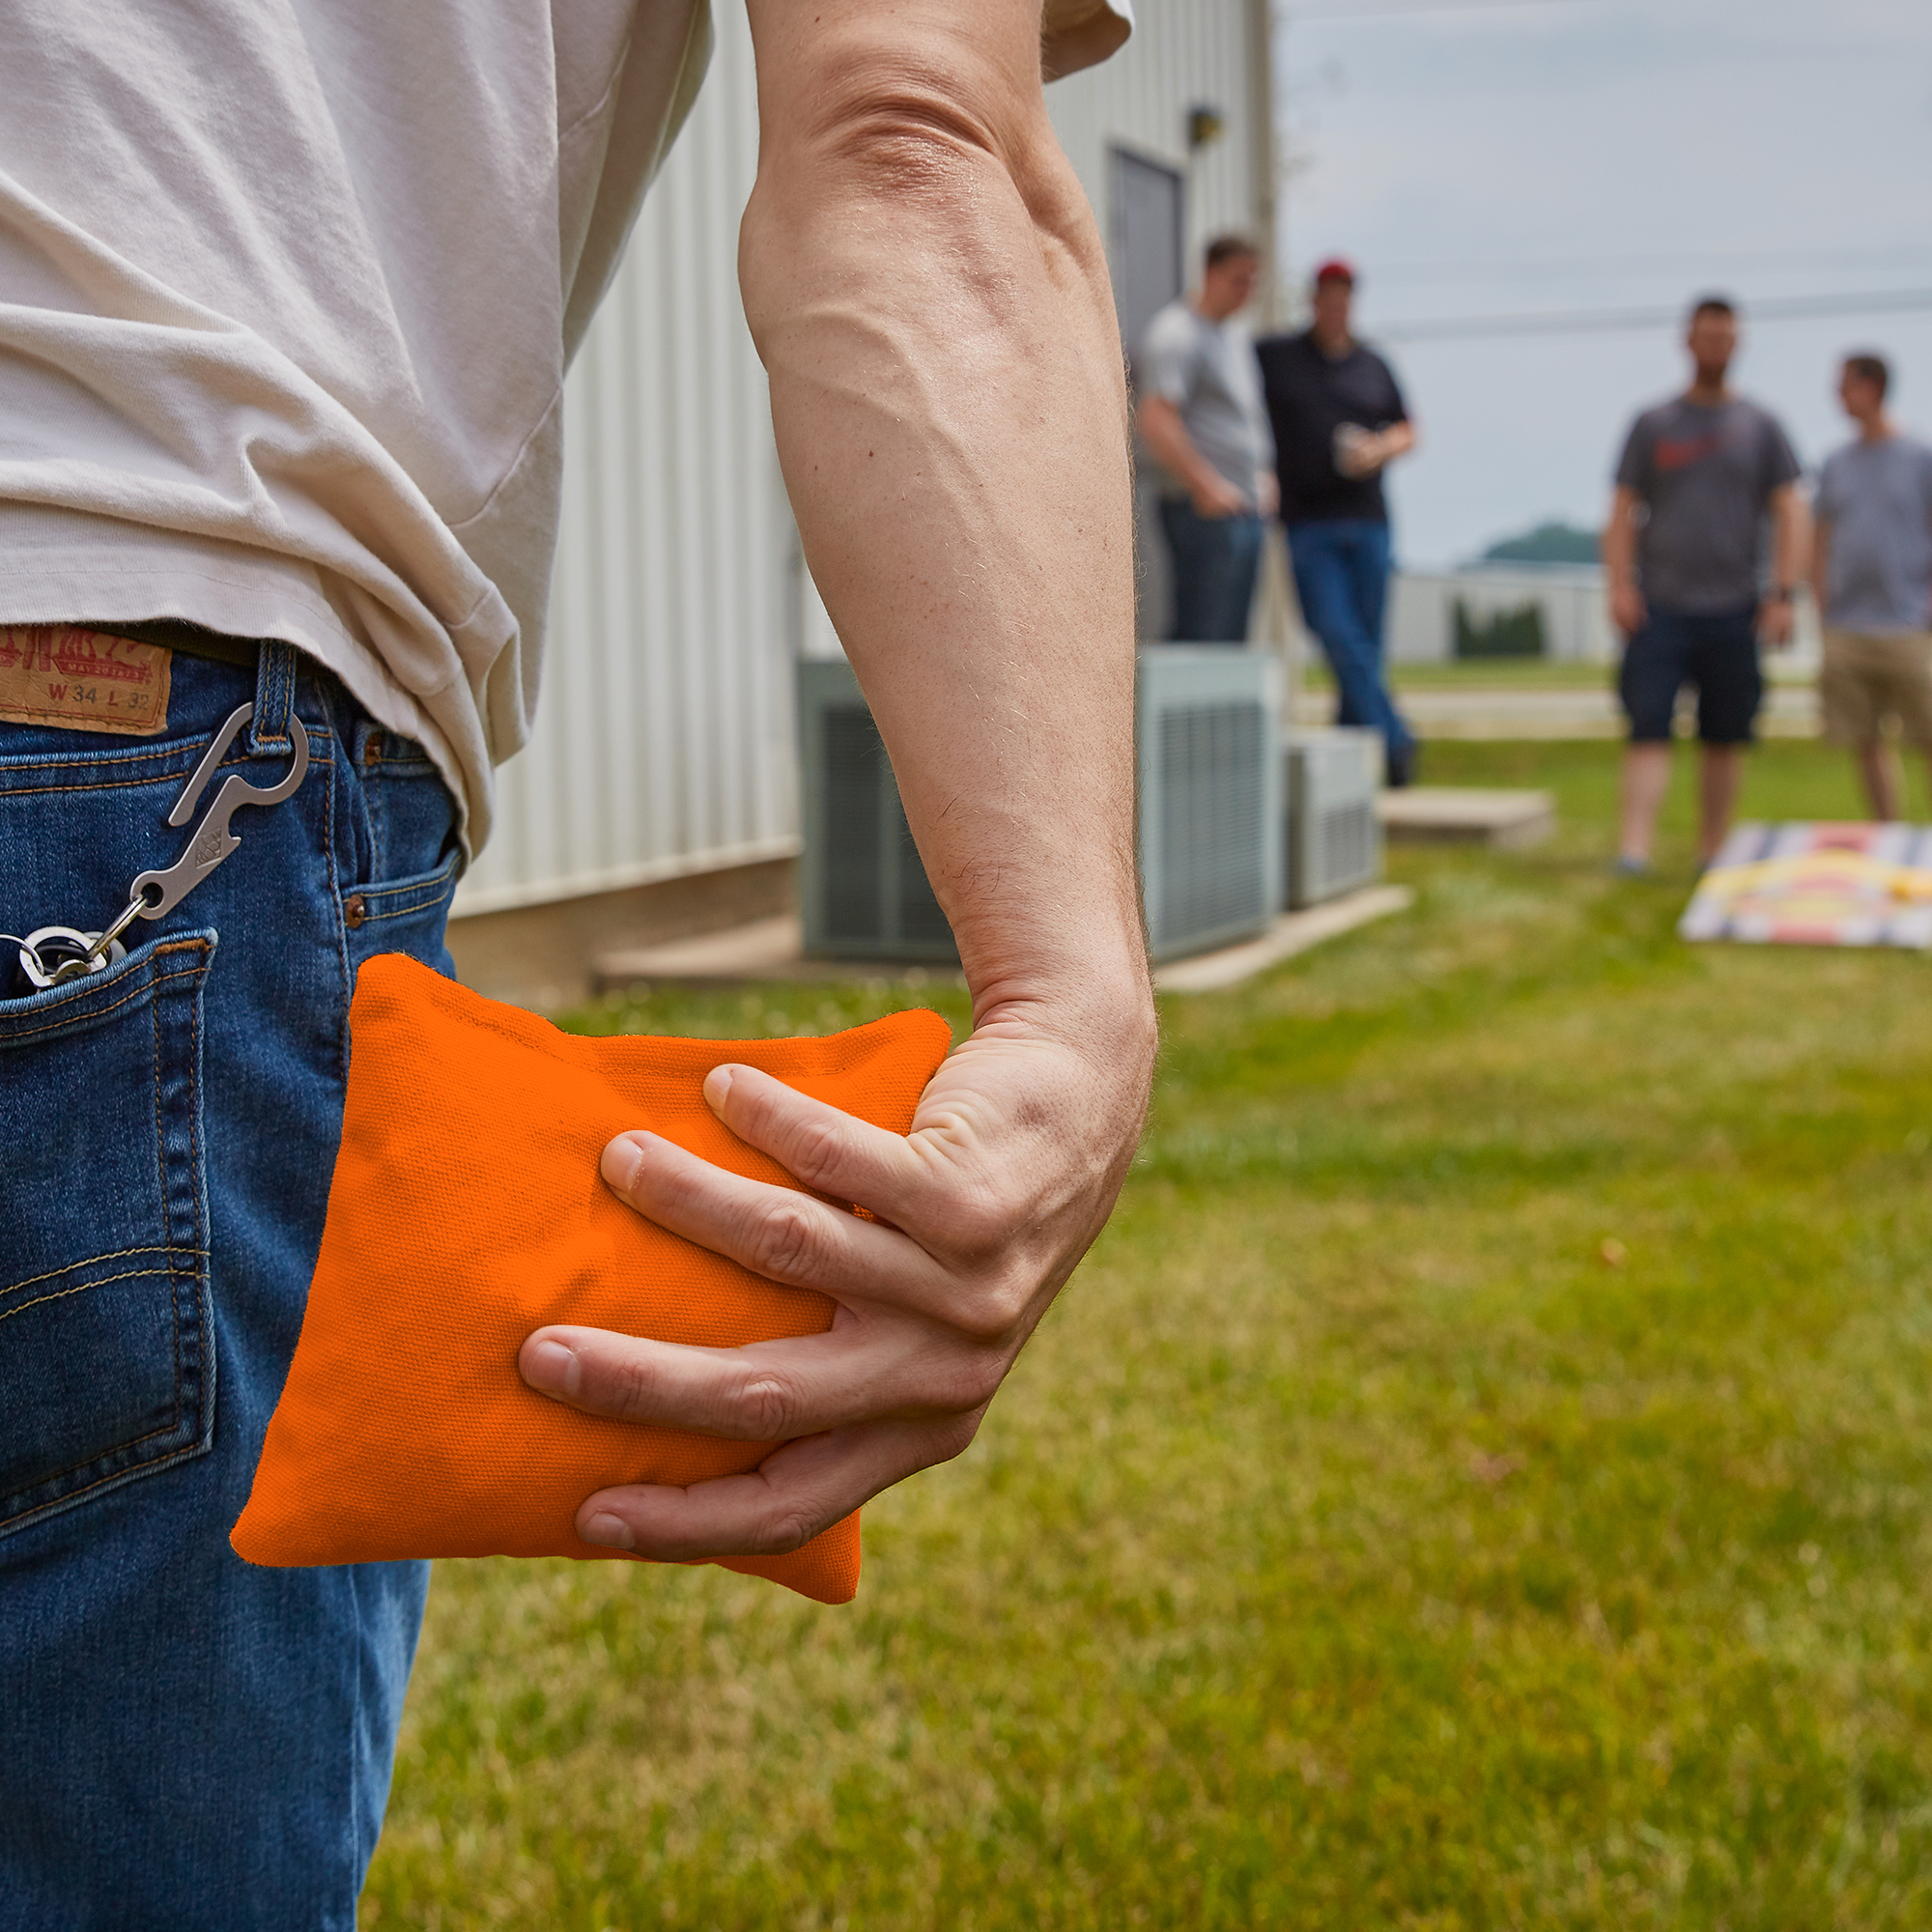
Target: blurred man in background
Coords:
[(1338, 419), (1871, 573), (1682, 557), (1200, 414)]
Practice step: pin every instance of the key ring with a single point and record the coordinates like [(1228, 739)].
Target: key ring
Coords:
[(154, 893)]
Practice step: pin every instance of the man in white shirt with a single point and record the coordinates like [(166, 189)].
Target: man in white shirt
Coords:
[(286, 298), (1200, 414)]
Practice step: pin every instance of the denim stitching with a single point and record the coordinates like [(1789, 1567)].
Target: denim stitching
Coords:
[(113, 1476), (167, 1222), (407, 911), (112, 1255), (98, 1012), (172, 1271), (125, 784), (435, 884), (61, 1294)]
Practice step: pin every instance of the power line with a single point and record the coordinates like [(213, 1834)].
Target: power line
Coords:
[(1545, 266), (1580, 322), (1382, 8)]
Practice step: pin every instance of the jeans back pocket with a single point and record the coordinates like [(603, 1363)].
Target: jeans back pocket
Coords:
[(107, 1339)]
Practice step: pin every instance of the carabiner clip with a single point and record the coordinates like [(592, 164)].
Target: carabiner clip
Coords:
[(156, 893)]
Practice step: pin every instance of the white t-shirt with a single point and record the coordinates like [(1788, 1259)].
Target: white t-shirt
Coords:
[(287, 291), (1209, 372)]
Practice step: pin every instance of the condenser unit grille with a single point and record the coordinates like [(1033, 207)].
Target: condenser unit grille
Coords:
[(854, 885), (865, 893), (1212, 819), (1348, 835), (1334, 840)]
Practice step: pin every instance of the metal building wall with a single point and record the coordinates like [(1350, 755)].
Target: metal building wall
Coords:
[(664, 737), (663, 744), (1183, 54)]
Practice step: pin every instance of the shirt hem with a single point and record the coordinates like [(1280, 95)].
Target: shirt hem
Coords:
[(267, 600)]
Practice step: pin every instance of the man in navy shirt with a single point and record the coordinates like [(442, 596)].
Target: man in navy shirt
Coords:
[(1337, 418)]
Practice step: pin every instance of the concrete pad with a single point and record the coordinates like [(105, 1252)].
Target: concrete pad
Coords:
[(1291, 933), (770, 949), (764, 949), (1467, 815), (1492, 713)]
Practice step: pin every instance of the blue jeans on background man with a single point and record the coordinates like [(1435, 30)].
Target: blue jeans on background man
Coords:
[(189, 1741), (1214, 561), (1341, 578)]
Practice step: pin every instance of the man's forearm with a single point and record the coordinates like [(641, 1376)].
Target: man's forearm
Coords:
[(1619, 541), (1172, 447), (930, 297), (1788, 558), (1821, 562)]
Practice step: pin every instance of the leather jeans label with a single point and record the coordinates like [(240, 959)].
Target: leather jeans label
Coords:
[(82, 680)]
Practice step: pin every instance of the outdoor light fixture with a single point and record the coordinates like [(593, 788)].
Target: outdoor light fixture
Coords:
[(1204, 124)]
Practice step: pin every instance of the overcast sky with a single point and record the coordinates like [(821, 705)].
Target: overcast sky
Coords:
[(1579, 155)]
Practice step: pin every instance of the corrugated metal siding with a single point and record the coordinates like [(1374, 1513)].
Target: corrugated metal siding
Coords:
[(1185, 53), (664, 738)]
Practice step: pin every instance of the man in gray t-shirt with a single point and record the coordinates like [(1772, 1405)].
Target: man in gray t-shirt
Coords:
[(1871, 570), (1202, 417), (1699, 477)]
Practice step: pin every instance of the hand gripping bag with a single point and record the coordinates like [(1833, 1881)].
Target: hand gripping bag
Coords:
[(466, 1210)]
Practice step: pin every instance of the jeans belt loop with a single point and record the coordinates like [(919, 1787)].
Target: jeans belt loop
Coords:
[(276, 673)]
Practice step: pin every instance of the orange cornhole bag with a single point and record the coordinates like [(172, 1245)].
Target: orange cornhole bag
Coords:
[(466, 1210)]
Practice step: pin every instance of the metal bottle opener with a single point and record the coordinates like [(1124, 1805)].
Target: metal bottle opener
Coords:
[(57, 953)]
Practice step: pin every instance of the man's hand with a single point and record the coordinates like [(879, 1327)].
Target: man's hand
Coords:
[(1629, 612), (1267, 493), (1213, 496), (1790, 545), (1208, 490), (1369, 451), (1016, 1153), (1628, 609)]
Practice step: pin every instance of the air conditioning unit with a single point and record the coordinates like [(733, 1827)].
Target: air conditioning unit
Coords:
[(863, 891), (1334, 839), (1211, 806), (1210, 811)]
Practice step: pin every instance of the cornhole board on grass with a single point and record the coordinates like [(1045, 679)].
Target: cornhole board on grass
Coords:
[(1817, 885)]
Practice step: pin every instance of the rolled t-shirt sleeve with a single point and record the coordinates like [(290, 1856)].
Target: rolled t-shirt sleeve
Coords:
[(1077, 34), (1165, 365), (1634, 466), (1398, 403), (1781, 460)]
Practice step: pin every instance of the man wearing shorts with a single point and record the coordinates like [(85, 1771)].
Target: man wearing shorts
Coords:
[(287, 295), (1682, 554), (1871, 573)]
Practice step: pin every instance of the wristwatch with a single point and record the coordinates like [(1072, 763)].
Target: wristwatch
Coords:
[(1778, 593)]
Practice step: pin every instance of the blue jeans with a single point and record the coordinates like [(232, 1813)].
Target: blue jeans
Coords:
[(1341, 578), (189, 1741), (1214, 562)]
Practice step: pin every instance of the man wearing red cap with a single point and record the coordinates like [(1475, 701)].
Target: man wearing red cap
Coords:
[(1338, 418)]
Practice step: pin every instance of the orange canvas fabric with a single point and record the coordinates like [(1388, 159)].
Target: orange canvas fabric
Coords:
[(466, 1210)]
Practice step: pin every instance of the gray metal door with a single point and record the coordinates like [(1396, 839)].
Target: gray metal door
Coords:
[(1150, 214)]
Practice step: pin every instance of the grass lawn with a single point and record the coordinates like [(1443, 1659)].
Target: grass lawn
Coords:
[(1479, 1480), (1477, 675)]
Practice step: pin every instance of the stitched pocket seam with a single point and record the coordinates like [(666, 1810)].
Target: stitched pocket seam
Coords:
[(113, 1255)]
